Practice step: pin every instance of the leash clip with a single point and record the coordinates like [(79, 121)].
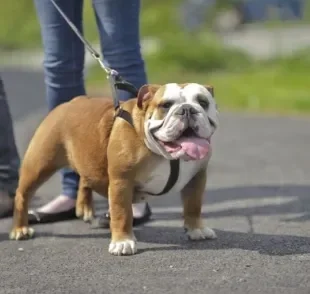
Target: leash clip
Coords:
[(113, 77)]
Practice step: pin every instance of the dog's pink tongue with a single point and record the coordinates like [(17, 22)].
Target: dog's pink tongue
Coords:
[(196, 148)]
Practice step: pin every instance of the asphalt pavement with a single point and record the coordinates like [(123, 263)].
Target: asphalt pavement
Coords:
[(257, 200)]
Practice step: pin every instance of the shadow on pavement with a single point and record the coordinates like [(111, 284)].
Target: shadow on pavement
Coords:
[(299, 202), (268, 244), (274, 245), (173, 238)]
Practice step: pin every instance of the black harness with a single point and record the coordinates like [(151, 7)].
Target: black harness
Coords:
[(117, 82)]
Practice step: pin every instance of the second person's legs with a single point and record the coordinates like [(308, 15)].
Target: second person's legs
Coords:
[(118, 24), (9, 157), (64, 80)]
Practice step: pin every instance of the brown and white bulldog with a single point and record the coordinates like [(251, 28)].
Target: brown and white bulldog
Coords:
[(154, 144)]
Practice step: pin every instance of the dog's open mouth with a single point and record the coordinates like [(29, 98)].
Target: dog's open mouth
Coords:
[(194, 146)]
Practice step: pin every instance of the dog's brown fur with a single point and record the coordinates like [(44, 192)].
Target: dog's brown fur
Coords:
[(110, 156)]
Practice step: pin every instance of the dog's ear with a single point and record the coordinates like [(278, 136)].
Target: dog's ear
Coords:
[(210, 89), (146, 93)]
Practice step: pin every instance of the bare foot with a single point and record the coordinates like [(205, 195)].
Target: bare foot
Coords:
[(59, 204)]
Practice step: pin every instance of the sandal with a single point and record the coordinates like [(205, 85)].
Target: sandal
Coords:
[(36, 217)]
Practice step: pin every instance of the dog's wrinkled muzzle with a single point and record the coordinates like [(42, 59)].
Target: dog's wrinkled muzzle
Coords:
[(166, 137)]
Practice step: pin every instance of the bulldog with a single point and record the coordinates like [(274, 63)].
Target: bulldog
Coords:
[(154, 144)]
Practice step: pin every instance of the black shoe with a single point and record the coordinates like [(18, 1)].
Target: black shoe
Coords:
[(35, 217), (104, 221)]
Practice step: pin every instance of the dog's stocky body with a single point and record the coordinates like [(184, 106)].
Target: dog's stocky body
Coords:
[(127, 160)]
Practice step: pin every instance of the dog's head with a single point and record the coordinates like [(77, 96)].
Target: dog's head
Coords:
[(179, 119)]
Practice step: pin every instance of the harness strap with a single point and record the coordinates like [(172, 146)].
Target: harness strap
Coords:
[(121, 84), (125, 115), (173, 177), (174, 164), (117, 82)]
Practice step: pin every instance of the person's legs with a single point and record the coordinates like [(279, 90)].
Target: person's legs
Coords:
[(64, 79), (9, 157), (118, 24)]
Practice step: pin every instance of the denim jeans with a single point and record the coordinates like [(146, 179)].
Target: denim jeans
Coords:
[(118, 26), (9, 157)]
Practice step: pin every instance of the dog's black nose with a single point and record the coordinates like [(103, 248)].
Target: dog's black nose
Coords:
[(192, 110), (186, 110)]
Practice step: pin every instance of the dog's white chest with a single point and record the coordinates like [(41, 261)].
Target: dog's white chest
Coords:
[(158, 178)]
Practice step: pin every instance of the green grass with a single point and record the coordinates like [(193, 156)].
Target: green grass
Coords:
[(20, 28), (280, 86), (262, 90), (268, 90)]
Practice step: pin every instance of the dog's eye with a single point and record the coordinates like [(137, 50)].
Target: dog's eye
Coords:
[(204, 103), (166, 105)]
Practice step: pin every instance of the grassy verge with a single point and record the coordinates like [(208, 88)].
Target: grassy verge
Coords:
[(280, 86), (277, 86), (265, 89), (20, 28)]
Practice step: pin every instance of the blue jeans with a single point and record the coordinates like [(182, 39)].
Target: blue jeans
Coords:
[(9, 157), (118, 25)]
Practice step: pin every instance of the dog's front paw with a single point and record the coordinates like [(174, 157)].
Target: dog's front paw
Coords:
[(200, 233), (22, 233), (124, 247), (85, 212)]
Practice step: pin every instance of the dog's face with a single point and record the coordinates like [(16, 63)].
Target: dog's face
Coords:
[(179, 119)]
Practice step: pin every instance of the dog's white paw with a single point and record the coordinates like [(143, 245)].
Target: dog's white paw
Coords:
[(125, 247), (88, 216), (201, 234), (85, 212), (22, 233)]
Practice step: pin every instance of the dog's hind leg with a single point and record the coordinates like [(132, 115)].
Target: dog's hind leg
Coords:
[(37, 167), (84, 202)]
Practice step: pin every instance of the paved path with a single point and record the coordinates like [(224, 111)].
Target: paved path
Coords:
[(258, 201)]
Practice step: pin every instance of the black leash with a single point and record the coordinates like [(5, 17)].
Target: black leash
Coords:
[(114, 78)]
